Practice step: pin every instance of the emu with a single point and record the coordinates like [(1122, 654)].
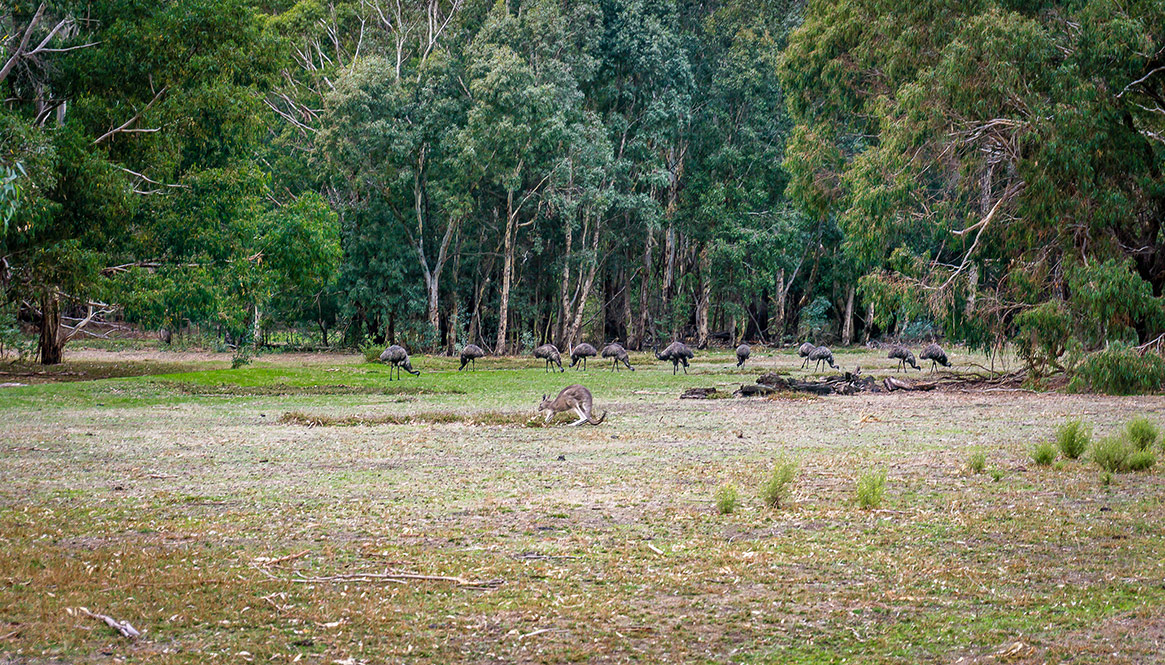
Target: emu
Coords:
[(676, 352), (549, 353), (398, 358), (804, 352), (572, 398), (935, 354), (742, 353), (904, 357), (582, 352), (820, 355), (617, 354), (470, 354)]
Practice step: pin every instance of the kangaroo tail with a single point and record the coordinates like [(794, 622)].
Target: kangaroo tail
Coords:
[(600, 420)]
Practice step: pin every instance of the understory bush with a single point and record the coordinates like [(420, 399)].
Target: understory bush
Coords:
[(1072, 438), (775, 489), (1141, 460), (871, 489), (1042, 336), (1119, 370)]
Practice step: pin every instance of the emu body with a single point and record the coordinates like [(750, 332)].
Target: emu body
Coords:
[(398, 359), (935, 354), (742, 353), (469, 355), (550, 354), (581, 353), (572, 398), (677, 353), (617, 354), (821, 355), (804, 352), (904, 357)]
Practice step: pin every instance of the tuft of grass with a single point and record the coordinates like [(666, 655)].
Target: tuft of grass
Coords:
[(871, 489), (1112, 454), (775, 489), (997, 474), (1072, 438), (1142, 460), (1106, 478), (1142, 433), (434, 417), (727, 498), (978, 461), (1044, 454)]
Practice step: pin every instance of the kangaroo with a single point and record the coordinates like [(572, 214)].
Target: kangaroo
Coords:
[(576, 398)]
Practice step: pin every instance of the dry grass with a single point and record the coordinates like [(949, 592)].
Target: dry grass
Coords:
[(429, 417), (227, 535)]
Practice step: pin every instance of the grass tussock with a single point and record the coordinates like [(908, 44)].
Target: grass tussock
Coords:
[(1044, 454), (977, 462), (1072, 438), (871, 489), (774, 491), (481, 418), (727, 499), (1142, 433), (283, 389), (1112, 454), (1142, 460)]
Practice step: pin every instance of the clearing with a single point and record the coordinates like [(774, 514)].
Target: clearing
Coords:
[(305, 509)]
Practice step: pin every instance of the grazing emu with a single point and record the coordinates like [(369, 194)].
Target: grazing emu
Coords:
[(935, 354), (617, 354), (549, 353), (572, 398), (904, 357), (820, 355), (397, 357), (582, 352), (676, 352), (804, 352), (470, 354), (742, 353)]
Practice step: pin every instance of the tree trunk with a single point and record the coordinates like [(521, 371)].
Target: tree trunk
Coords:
[(644, 292), (704, 302), (507, 276), (588, 281), (869, 321), (847, 324), (564, 295), (777, 320), (51, 345)]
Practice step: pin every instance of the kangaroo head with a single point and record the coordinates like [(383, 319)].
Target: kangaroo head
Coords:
[(546, 403)]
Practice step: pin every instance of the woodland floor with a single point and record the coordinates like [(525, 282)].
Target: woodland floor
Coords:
[(182, 504)]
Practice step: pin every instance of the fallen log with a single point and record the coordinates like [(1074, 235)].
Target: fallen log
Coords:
[(698, 393)]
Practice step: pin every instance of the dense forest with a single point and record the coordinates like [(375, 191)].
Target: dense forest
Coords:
[(441, 172)]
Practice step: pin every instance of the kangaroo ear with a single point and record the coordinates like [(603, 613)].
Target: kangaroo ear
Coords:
[(545, 397)]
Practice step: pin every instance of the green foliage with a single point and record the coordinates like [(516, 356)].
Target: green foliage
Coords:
[(1142, 460), (1119, 370), (997, 474), (1043, 335), (1072, 438), (1109, 299), (776, 488), (871, 489), (1044, 453), (977, 462), (727, 498), (1142, 433), (1112, 454)]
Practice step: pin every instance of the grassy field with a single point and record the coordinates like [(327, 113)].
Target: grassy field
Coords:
[(189, 505)]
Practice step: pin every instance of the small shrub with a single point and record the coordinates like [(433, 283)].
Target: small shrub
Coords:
[(1043, 336), (1142, 433), (1111, 454), (871, 489), (1119, 370), (1141, 460), (978, 461), (1072, 438), (727, 498), (1106, 478), (1044, 454), (370, 351), (776, 488), (997, 474), (242, 356)]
